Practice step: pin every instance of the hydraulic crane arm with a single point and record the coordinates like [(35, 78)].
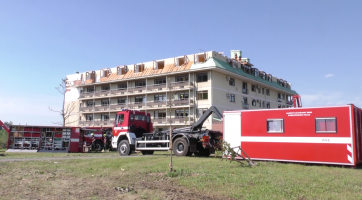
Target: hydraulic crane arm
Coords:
[(198, 125), (4, 127)]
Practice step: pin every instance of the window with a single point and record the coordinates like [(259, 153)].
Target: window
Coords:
[(326, 125), (183, 95), (232, 82), (140, 84), (202, 95), (279, 106), (180, 61), (259, 101), (121, 118), (182, 78), (160, 97), (90, 103), (253, 102), (160, 81), (253, 88), (275, 125), (131, 117), (105, 102), (122, 86), (270, 78), (121, 101), (89, 117), (262, 90), (104, 117), (267, 92), (232, 97), (245, 88), (201, 111), (245, 100), (139, 68), (159, 114), (105, 87), (283, 96), (122, 70), (181, 113), (258, 89), (160, 65), (263, 104), (256, 72), (140, 117), (89, 89), (139, 99), (201, 77), (267, 104)]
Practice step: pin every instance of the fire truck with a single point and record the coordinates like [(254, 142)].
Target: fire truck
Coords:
[(133, 131)]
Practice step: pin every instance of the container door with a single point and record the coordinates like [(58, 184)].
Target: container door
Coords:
[(74, 140), (232, 129)]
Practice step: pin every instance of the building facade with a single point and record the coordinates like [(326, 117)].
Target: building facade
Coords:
[(176, 90)]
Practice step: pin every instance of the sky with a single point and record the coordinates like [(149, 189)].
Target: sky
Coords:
[(315, 45)]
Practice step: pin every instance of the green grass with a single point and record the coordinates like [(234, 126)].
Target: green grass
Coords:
[(150, 178)]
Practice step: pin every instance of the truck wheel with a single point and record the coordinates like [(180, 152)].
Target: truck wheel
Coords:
[(98, 145), (180, 147), (124, 149)]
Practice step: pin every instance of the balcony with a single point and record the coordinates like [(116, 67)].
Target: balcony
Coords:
[(179, 120), (181, 84), (119, 106), (245, 91), (290, 103), (100, 122), (86, 94), (86, 109), (182, 102), (159, 120), (138, 89), (155, 104), (102, 93), (136, 105), (119, 91), (245, 106), (101, 108), (279, 99), (156, 87), (86, 123)]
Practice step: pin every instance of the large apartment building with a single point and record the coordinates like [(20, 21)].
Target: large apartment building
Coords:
[(176, 90)]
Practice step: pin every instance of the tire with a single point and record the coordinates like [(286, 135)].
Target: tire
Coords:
[(98, 145), (124, 149), (180, 147)]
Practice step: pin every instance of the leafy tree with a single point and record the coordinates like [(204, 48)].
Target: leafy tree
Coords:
[(4, 135)]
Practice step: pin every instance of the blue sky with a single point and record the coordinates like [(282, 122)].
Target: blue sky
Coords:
[(315, 45)]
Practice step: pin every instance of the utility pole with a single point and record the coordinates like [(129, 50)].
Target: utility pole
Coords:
[(169, 105)]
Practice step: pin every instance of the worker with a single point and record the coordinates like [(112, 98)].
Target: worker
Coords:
[(104, 142), (93, 141)]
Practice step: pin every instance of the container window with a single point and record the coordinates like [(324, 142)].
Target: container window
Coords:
[(326, 125), (275, 125)]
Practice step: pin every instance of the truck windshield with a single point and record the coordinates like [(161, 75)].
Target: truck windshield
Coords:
[(121, 118)]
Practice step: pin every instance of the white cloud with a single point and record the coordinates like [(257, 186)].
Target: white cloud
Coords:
[(329, 75)]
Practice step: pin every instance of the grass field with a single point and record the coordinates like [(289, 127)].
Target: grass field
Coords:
[(195, 178)]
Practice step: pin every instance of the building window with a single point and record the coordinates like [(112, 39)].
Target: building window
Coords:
[(89, 117), (201, 111), (182, 78), (232, 97), (122, 70), (89, 89), (105, 102), (275, 125), (160, 97), (263, 104), (181, 113), (262, 90), (283, 96), (160, 81), (267, 104), (140, 84), (121, 101), (232, 82), (90, 103), (267, 92), (279, 106), (201, 77), (160, 114), (105, 87), (202, 95), (259, 101), (122, 86), (104, 117), (245, 88), (139, 99), (326, 125), (139, 68), (253, 88), (253, 102), (183, 95), (258, 87)]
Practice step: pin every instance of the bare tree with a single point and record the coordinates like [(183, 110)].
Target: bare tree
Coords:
[(66, 110)]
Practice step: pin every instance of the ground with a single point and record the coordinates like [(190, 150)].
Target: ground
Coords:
[(96, 175)]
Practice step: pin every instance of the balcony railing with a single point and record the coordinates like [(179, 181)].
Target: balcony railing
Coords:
[(85, 109), (86, 123), (156, 87), (290, 102), (159, 120), (102, 93), (100, 122), (101, 108), (279, 99), (181, 84), (156, 103), (245, 106), (136, 105), (181, 102), (86, 94), (118, 106), (137, 89), (245, 91), (119, 91)]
